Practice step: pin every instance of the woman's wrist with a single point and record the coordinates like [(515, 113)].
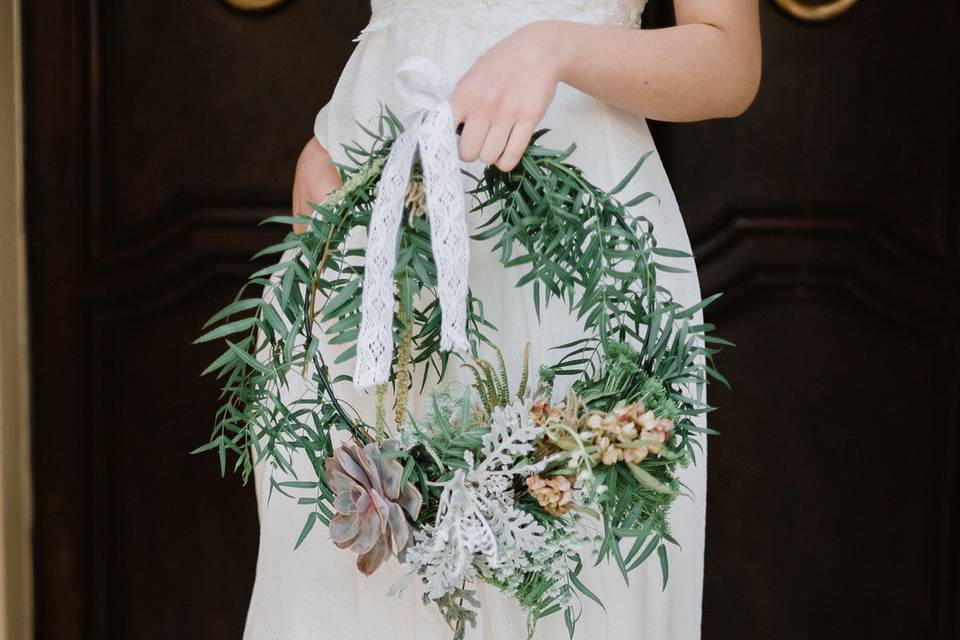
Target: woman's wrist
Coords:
[(557, 38)]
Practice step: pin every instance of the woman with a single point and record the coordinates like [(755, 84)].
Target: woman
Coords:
[(582, 69)]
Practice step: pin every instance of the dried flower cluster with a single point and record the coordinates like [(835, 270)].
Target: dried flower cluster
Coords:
[(555, 494), (544, 414), (629, 433)]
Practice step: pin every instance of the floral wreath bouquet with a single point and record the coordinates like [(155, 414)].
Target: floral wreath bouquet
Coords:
[(495, 483)]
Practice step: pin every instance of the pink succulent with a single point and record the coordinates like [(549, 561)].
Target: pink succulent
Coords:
[(370, 503)]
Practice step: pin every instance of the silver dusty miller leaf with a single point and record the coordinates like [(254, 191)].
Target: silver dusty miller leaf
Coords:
[(478, 523)]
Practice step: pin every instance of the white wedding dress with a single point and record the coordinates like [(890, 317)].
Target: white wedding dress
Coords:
[(315, 592)]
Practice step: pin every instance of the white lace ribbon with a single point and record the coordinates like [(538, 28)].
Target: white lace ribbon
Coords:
[(431, 131)]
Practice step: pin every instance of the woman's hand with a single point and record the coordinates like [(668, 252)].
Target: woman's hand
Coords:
[(708, 66), (315, 178), (502, 98)]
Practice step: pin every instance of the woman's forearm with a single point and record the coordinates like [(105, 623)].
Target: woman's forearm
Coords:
[(692, 71)]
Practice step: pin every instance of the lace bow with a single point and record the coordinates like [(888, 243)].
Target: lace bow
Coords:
[(430, 130)]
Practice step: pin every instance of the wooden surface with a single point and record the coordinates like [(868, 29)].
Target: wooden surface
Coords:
[(15, 564), (160, 133)]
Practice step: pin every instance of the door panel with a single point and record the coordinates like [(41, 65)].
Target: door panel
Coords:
[(828, 214)]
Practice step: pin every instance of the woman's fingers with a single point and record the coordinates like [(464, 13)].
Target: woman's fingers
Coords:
[(459, 113), (472, 138), (516, 144), (495, 142)]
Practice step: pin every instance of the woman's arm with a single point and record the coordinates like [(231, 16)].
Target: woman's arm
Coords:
[(708, 66)]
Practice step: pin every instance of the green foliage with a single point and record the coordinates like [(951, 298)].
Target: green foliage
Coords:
[(574, 241)]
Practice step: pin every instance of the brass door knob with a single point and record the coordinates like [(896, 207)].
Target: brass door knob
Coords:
[(253, 5), (816, 12)]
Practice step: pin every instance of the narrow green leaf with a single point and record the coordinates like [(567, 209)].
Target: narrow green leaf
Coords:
[(227, 329)]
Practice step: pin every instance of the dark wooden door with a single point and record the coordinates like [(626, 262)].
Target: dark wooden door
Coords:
[(829, 216), (159, 133)]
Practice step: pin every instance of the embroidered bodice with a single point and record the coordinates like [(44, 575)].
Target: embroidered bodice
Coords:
[(423, 16)]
